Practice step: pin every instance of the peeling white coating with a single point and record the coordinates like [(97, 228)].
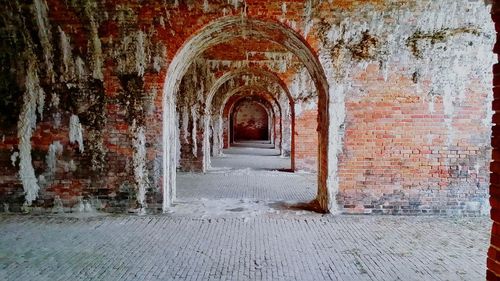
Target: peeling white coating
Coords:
[(194, 137), (13, 158), (308, 21), (80, 68), (57, 120), (55, 149), (96, 50), (68, 68), (206, 6), (137, 43), (140, 54), (302, 85), (185, 123), (140, 171), (76, 132), (44, 33), (25, 127)]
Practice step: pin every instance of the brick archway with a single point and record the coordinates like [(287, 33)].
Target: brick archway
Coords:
[(258, 94), (223, 30), (252, 88), (256, 72), (263, 132)]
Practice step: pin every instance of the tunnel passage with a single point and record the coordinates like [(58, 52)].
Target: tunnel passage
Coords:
[(221, 31)]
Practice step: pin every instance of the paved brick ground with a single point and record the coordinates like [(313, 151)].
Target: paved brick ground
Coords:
[(246, 183), (268, 247), (252, 155), (242, 225)]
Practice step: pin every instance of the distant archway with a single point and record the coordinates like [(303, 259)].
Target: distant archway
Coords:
[(252, 121), (270, 104), (256, 72), (223, 110)]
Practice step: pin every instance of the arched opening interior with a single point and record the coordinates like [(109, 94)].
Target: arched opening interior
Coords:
[(251, 121), (260, 149), (221, 95), (179, 105)]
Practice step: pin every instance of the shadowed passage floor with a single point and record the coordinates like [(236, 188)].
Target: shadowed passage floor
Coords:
[(249, 179)]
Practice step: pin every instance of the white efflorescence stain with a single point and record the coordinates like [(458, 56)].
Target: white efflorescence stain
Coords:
[(96, 50), (42, 21), (55, 149), (80, 68), (140, 54), (194, 137), (206, 6), (140, 171), (25, 128), (68, 68), (446, 44), (13, 158), (76, 132), (308, 21)]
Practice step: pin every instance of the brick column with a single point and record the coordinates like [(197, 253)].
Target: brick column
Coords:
[(306, 141)]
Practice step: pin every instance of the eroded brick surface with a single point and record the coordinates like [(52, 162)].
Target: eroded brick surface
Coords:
[(394, 95)]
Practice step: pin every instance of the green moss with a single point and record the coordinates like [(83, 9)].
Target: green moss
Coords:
[(365, 49), (435, 37), (132, 98)]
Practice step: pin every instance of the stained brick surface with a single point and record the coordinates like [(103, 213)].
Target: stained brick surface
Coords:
[(396, 146)]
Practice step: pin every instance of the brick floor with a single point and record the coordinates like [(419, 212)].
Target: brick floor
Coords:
[(255, 156), (246, 183), (232, 225), (267, 247)]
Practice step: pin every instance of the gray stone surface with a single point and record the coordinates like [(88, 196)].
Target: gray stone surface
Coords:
[(267, 247), (254, 155), (247, 183)]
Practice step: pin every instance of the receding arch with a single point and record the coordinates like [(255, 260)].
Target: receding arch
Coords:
[(223, 30), (264, 106), (255, 91), (235, 73), (219, 140), (247, 71), (218, 122)]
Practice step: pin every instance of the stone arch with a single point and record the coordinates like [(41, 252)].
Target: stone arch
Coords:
[(223, 30)]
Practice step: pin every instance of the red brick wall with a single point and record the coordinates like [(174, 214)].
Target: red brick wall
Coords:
[(394, 145), (305, 149), (387, 161)]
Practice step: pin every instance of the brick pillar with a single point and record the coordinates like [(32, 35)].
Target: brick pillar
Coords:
[(277, 131), (306, 141), (493, 262)]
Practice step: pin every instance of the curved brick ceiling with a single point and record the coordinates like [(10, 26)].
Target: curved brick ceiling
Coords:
[(244, 48)]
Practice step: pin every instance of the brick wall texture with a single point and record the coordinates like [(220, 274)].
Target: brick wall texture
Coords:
[(409, 99)]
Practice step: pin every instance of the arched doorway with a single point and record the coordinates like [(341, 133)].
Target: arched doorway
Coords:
[(223, 30)]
